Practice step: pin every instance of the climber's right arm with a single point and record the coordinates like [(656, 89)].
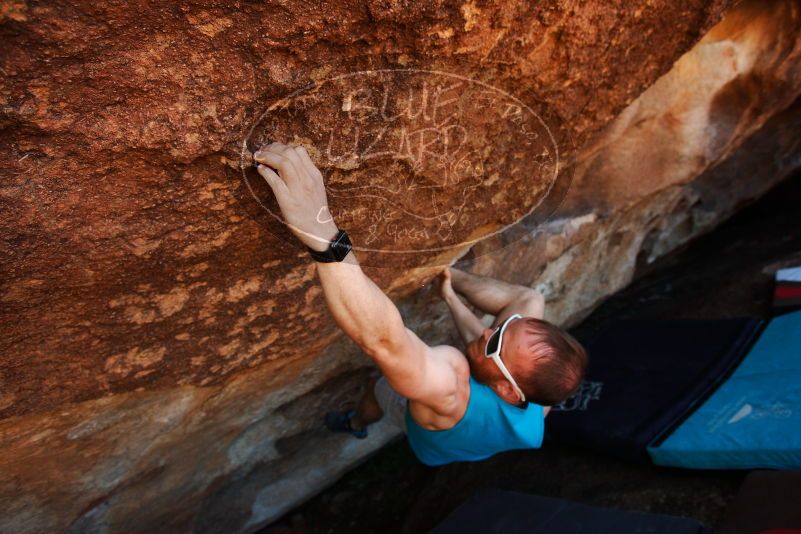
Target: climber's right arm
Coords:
[(413, 369), (359, 306)]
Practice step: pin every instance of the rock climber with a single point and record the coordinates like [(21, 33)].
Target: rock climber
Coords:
[(454, 405)]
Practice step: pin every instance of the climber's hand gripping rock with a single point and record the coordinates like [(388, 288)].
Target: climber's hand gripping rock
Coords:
[(299, 189)]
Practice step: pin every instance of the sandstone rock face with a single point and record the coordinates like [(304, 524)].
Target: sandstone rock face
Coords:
[(167, 357), (716, 131), (135, 259)]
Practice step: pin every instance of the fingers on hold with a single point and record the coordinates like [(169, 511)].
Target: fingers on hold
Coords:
[(269, 155), (266, 172), (270, 175), (306, 159), (292, 155), (263, 149), (304, 154), (260, 155), (276, 146), (276, 160)]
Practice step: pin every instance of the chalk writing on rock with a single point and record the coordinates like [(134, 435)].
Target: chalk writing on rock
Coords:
[(414, 160)]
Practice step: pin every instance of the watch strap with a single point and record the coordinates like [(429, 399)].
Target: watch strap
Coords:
[(338, 248)]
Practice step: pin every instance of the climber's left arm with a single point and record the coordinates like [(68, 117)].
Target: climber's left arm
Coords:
[(358, 305)]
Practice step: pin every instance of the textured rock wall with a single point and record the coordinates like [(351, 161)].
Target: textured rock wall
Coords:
[(716, 131), (143, 258), (150, 375)]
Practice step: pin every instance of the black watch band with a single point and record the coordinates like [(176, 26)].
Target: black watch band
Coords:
[(338, 248)]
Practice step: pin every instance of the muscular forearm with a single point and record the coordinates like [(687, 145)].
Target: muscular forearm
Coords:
[(487, 294), (469, 326), (359, 306)]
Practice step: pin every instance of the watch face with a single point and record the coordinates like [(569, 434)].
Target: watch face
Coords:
[(341, 246)]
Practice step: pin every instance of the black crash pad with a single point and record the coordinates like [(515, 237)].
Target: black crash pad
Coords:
[(644, 377), (494, 511)]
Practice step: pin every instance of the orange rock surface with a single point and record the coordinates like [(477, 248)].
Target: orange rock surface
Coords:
[(167, 355)]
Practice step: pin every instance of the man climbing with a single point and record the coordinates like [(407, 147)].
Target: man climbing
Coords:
[(453, 405)]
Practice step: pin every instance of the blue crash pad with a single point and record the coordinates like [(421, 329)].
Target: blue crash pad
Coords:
[(753, 419)]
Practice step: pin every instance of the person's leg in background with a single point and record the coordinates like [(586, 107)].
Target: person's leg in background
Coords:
[(379, 401), (368, 411), (355, 421)]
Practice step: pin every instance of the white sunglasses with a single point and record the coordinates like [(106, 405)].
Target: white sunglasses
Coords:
[(493, 350)]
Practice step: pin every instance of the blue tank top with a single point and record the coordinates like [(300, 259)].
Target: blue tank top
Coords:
[(490, 425)]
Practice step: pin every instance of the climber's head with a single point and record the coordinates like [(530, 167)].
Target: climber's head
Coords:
[(546, 362)]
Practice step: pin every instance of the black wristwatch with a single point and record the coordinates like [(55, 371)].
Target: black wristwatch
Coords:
[(338, 248)]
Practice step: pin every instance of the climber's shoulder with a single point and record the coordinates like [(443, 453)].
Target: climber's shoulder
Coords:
[(448, 406), (455, 361)]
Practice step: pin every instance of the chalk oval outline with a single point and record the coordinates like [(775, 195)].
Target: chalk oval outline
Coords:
[(312, 85)]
